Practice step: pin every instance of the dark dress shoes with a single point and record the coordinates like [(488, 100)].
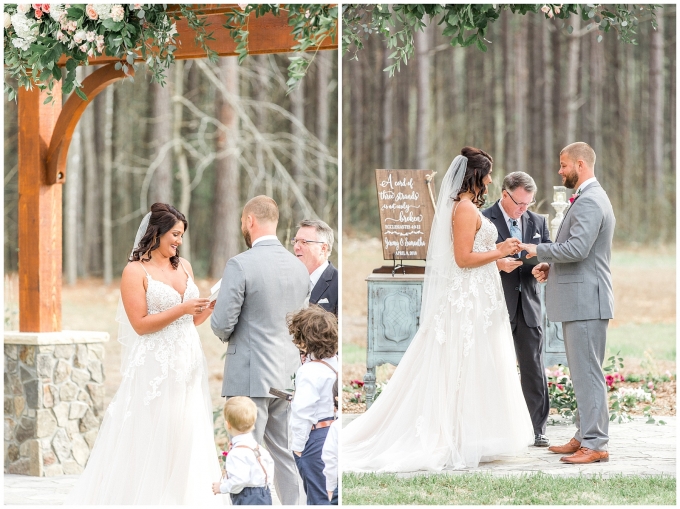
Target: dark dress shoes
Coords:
[(541, 440)]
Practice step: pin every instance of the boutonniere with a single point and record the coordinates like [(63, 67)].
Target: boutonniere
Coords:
[(573, 198)]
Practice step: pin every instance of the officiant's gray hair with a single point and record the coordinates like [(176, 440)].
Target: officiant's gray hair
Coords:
[(323, 231), (519, 179)]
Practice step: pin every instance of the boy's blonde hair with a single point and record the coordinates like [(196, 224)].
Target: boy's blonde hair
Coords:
[(241, 413)]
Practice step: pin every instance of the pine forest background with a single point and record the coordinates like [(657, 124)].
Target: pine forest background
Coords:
[(213, 137), (535, 90)]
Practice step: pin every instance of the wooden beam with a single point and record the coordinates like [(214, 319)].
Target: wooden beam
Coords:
[(69, 117), (39, 215), (267, 34)]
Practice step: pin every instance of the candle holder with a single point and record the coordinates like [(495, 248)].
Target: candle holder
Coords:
[(560, 204)]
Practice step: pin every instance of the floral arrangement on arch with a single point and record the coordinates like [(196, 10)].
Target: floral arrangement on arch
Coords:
[(38, 36)]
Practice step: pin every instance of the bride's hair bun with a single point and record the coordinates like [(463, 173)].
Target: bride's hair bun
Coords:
[(163, 218), (478, 167)]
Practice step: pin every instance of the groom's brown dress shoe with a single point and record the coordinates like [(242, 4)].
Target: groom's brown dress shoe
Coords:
[(585, 455), (568, 448)]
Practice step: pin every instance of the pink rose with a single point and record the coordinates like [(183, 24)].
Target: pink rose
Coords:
[(560, 387), (91, 13), (38, 13), (557, 10), (650, 385), (545, 9), (573, 196)]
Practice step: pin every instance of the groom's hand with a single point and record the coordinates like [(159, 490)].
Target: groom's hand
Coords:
[(530, 249), (216, 488), (541, 271), (508, 264)]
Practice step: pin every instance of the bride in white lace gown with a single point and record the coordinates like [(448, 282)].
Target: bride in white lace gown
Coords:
[(155, 445), (455, 399)]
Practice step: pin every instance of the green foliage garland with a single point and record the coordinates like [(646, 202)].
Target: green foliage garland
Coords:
[(467, 24), (38, 36)]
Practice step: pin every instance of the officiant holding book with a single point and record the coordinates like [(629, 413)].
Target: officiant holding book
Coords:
[(512, 218)]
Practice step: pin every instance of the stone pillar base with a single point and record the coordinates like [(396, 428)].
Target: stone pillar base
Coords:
[(54, 400)]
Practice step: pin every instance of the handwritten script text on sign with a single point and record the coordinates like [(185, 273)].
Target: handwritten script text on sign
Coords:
[(405, 213)]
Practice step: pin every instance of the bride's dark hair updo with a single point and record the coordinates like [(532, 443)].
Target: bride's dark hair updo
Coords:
[(478, 167), (163, 218)]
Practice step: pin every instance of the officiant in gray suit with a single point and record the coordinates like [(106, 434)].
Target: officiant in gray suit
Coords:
[(579, 294), (511, 217), (259, 288)]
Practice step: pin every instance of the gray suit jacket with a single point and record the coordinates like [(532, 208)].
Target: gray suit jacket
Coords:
[(259, 288), (580, 280)]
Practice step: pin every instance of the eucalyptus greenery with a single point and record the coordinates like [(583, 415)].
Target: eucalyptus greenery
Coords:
[(312, 24), (467, 24), (38, 37)]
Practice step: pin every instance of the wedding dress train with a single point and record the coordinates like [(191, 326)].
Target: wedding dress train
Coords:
[(455, 399), (155, 445)]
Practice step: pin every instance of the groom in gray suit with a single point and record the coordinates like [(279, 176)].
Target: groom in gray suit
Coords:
[(259, 288), (579, 294)]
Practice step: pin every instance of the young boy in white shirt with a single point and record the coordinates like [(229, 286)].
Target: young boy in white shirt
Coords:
[(249, 468), (315, 333)]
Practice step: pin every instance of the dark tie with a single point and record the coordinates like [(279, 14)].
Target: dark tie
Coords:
[(515, 232)]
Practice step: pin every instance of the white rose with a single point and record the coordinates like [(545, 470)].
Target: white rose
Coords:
[(23, 44), (102, 10), (90, 36), (79, 36), (22, 26), (8, 20), (117, 13), (23, 8)]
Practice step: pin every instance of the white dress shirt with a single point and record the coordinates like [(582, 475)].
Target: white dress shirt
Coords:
[(243, 469), (508, 219), (314, 276), (264, 237), (586, 184), (313, 399), (329, 455)]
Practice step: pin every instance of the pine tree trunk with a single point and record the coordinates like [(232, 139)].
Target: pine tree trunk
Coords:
[(520, 103), (387, 110), (422, 42), (107, 242), (180, 156), (226, 202), (92, 211), (656, 120), (550, 164), (572, 79), (323, 75), (72, 191), (161, 186)]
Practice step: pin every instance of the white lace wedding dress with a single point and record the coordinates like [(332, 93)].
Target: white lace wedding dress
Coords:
[(155, 445), (455, 399)]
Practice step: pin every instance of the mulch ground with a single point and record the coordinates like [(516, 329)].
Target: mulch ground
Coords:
[(664, 404)]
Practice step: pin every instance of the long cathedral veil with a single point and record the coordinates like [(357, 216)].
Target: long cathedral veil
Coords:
[(440, 250), (126, 334)]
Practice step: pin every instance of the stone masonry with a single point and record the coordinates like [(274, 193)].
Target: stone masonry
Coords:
[(54, 400)]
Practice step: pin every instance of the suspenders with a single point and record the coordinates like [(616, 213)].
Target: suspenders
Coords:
[(256, 452), (324, 362), (324, 424)]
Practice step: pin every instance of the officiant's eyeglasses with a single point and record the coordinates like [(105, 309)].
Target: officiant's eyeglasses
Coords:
[(533, 202), (294, 241)]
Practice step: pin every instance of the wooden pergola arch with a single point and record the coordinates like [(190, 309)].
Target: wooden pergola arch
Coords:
[(45, 132)]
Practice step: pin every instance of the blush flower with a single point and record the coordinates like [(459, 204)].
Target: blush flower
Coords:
[(7, 20), (91, 12), (24, 8), (117, 13), (79, 36)]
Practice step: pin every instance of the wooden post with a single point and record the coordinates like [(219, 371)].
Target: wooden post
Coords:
[(39, 215)]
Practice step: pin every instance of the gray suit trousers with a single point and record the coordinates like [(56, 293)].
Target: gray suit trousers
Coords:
[(584, 342), (271, 429)]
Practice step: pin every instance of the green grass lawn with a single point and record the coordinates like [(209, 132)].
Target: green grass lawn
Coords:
[(484, 489), (633, 340)]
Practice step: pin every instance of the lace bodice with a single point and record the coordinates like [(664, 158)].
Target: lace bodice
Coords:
[(486, 236), (175, 348), (160, 297)]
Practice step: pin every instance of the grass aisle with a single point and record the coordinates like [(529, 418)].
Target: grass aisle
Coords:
[(485, 489)]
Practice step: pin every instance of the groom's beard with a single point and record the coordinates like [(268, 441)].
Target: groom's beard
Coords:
[(246, 237), (571, 180)]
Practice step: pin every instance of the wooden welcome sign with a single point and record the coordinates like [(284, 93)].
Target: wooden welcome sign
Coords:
[(406, 213)]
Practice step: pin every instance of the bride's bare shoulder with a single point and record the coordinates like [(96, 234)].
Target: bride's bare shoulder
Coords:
[(133, 270)]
